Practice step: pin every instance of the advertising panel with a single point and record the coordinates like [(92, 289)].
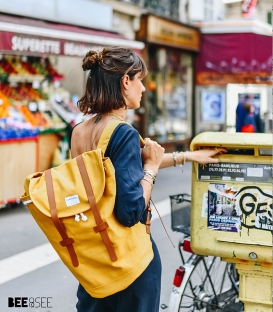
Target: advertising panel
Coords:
[(213, 106)]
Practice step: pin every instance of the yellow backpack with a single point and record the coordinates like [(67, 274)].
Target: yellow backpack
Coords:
[(73, 204)]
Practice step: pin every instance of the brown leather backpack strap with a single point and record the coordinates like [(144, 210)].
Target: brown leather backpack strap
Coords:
[(67, 241), (101, 225)]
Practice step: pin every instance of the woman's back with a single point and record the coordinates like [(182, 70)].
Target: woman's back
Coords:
[(85, 136)]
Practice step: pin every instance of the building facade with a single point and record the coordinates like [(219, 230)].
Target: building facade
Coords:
[(261, 12)]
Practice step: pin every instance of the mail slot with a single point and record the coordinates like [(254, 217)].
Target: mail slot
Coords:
[(231, 212)]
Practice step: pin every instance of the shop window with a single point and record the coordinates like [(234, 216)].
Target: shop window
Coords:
[(168, 94)]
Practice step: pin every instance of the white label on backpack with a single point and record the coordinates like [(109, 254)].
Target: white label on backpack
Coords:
[(72, 200)]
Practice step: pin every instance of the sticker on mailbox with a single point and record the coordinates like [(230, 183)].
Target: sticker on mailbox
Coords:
[(239, 172), (222, 212), (233, 209)]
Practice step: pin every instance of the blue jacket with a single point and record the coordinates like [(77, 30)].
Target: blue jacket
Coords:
[(124, 152)]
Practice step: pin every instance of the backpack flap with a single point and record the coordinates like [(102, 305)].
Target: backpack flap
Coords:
[(70, 195)]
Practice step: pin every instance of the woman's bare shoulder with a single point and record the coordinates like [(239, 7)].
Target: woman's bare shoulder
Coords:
[(78, 138), (79, 128)]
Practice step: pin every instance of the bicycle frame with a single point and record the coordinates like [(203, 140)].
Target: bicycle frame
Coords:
[(202, 283), (176, 293), (200, 299)]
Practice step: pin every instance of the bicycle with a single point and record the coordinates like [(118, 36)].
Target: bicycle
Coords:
[(201, 283)]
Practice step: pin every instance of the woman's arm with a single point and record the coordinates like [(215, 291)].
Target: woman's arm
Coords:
[(203, 156)]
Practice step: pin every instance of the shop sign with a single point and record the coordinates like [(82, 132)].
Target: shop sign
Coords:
[(36, 45), (77, 49), (222, 79), (161, 31), (248, 7)]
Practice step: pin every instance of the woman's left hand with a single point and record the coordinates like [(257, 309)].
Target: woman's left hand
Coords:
[(205, 156)]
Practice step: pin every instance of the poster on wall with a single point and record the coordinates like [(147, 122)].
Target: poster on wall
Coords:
[(213, 107)]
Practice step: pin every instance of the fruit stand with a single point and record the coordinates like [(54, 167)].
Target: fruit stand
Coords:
[(35, 114)]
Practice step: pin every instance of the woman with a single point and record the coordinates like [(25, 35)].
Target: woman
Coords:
[(114, 85)]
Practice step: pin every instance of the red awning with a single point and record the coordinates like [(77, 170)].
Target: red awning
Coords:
[(235, 53), (19, 34)]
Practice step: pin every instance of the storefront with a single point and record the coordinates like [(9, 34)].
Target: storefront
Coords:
[(235, 59), (41, 80), (167, 110)]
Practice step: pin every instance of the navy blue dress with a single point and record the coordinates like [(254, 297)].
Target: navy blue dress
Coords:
[(143, 295)]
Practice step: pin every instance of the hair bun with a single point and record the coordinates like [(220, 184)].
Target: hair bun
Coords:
[(91, 58)]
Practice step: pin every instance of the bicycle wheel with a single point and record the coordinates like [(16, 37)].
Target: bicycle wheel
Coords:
[(211, 286)]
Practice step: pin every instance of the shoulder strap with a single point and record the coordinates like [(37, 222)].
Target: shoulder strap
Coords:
[(108, 131), (106, 134)]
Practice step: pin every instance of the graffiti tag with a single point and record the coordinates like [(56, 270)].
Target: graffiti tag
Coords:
[(256, 208)]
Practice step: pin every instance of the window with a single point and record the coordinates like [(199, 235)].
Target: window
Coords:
[(169, 8), (169, 94)]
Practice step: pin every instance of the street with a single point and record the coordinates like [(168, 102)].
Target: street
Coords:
[(29, 268)]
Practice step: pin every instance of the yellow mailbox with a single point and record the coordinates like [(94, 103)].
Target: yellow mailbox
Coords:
[(231, 214)]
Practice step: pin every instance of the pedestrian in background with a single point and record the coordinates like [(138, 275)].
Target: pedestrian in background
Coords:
[(241, 113), (249, 122), (247, 117)]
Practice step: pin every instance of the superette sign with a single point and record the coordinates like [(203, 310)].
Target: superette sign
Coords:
[(10, 42)]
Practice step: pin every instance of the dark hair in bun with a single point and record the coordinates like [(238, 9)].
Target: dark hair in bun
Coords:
[(91, 59), (103, 91)]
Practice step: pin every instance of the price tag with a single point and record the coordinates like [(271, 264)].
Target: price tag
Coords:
[(42, 106), (35, 84), (57, 83), (45, 84), (58, 98), (32, 106)]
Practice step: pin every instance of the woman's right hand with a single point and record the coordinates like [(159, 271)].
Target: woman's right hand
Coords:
[(152, 155)]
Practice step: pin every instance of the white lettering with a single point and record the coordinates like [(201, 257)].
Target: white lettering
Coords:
[(78, 49), (75, 49), (35, 45)]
